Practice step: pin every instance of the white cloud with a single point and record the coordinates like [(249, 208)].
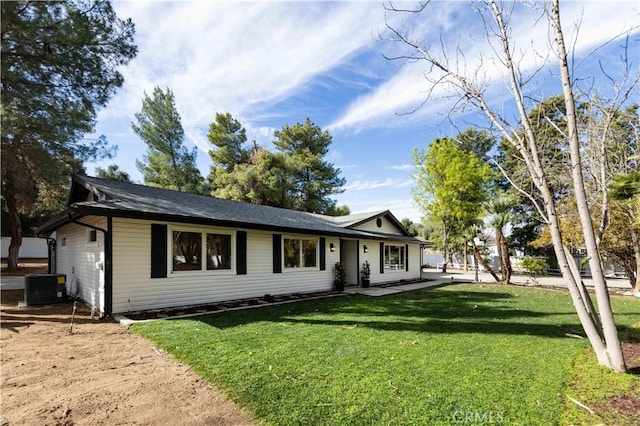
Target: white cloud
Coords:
[(363, 185), (263, 135), (408, 88), (239, 57), (400, 208), (401, 167)]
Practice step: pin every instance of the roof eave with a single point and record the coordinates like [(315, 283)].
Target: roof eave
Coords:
[(54, 223), (388, 215), (85, 210), (80, 210)]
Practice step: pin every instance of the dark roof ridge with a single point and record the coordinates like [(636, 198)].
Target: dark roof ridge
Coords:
[(136, 201), (107, 182)]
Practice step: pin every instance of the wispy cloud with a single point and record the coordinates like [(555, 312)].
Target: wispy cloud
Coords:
[(262, 135), (401, 167), (363, 185), (587, 25), (401, 208), (237, 57)]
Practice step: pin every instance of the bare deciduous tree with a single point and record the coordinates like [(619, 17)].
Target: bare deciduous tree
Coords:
[(450, 69)]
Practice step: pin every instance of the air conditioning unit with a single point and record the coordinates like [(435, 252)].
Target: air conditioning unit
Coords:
[(43, 289)]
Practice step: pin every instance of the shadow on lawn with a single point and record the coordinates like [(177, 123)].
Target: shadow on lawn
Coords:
[(423, 311)]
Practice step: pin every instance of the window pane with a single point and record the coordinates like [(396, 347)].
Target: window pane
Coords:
[(309, 253), (387, 258), (218, 251), (187, 251), (394, 257), (291, 253)]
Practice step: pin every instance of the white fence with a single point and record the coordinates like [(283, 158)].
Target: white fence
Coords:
[(31, 247)]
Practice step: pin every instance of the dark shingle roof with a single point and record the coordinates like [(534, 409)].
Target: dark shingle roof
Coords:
[(120, 199)]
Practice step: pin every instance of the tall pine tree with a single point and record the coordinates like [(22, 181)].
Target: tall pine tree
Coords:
[(60, 64), (312, 179), (228, 136), (296, 176), (168, 163)]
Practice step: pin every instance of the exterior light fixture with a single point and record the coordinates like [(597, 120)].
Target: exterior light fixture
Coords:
[(332, 247), (365, 249)]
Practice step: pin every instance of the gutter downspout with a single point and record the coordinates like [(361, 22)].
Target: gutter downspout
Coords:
[(108, 270), (52, 248)]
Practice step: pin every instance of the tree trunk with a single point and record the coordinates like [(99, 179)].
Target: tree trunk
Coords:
[(575, 271), (579, 296), (445, 257), (499, 248), (503, 252), (464, 253), (635, 238), (612, 354), (15, 226), (484, 263)]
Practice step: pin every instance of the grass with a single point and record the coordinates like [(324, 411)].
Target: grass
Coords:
[(603, 391), (458, 354)]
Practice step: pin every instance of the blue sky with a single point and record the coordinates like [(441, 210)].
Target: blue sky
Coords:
[(274, 63)]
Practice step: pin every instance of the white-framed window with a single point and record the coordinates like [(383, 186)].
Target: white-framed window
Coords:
[(218, 251), (394, 257), (300, 252), (200, 251), (186, 248)]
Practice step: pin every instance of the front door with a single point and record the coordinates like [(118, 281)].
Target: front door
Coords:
[(349, 258)]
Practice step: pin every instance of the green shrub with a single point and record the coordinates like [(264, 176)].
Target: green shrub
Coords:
[(533, 265)]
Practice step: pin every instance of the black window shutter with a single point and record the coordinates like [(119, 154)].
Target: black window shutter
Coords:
[(382, 258), (323, 254), (158, 251), (277, 253), (406, 257), (241, 253)]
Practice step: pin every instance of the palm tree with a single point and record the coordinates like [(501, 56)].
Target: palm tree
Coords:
[(501, 214), (469, 234), (626, 187)]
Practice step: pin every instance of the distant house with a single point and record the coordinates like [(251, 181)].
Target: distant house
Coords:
[(127, 247)]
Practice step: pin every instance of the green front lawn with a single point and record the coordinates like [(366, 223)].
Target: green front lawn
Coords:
[(469, 354)]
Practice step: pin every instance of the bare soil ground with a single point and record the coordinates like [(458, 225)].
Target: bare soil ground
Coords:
[(104, 374), (100, 374), (25, 266)]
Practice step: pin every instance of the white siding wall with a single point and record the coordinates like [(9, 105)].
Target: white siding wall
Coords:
[(386, 228), (82, 261), (134, 290), (373, 256)]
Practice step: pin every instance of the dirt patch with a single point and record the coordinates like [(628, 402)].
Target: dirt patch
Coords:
[(25, 266), (631, 351), (100, 374), (621, 407), (625, 408)]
